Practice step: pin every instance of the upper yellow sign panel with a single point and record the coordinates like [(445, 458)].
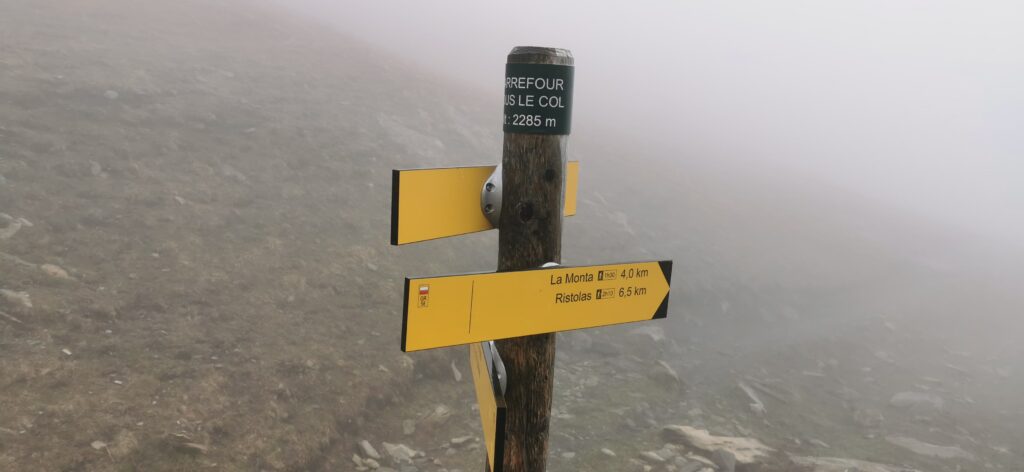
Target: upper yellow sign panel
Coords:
[(437, 203), (461, 309)]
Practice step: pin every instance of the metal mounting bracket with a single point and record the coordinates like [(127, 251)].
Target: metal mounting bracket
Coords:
[(495, 365), (490, 197)]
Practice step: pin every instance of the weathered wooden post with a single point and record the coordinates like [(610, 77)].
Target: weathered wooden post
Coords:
[(521, 307), (538, 112)]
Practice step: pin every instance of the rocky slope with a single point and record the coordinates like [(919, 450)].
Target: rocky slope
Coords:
[(194, 273)]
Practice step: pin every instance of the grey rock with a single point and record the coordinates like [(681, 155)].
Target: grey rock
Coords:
[(55, 271), (835, 464), (16, 298), (111, 95), (456, 373), (683, 465), (607, 452), (725, 460), (747, 451), (637, 463), (691, 457), (667, 452), (652, 457), (756, 405), (368, 449), (930, 450), (461, 440), (9, 226), (666, 376), (776, 390), (400, 453), (439, 415), (408, 427), (819, 443)]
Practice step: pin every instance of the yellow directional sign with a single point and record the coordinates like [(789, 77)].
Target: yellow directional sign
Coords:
[(492, 405), (461, 309), (437, 203)]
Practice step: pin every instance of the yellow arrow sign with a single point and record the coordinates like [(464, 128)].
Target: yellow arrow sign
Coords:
[(492, 405), (437, 203), (461, 309)]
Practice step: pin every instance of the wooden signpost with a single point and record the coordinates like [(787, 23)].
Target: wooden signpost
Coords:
[(509, 317)]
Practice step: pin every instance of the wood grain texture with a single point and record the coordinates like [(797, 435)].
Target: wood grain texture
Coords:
[(530, 235)]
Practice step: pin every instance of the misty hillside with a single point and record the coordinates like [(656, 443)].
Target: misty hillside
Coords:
[(195, 272)]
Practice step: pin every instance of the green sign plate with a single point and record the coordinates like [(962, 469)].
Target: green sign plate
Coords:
[(538, 98)]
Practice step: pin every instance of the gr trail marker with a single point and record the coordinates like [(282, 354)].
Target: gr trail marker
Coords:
[(438, 203), (526, 198), (461, 309), (484, 362)]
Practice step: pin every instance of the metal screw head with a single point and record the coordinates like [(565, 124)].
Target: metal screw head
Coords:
[(488, 208)]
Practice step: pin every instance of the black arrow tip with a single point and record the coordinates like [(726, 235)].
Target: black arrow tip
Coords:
[(666, 271)]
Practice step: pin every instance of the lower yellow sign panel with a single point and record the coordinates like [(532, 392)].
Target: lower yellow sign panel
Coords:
[(437, 203), (462, 309), (492, 406)]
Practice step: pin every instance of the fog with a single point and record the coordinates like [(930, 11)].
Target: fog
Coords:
[(915, 105), (196, 199)]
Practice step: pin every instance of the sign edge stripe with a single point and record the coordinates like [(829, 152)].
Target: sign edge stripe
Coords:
[(395, 185), (405, 314)]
